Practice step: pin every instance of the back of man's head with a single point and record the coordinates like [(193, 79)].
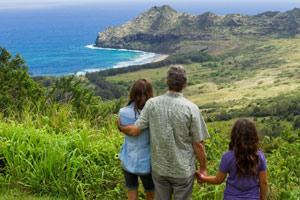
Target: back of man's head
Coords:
[(176, 78)]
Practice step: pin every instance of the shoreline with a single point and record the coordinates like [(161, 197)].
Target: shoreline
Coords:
[(143, 59), (160, 57)]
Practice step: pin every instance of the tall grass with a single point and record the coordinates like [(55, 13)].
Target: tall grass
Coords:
[(80, 164), (65, 156)]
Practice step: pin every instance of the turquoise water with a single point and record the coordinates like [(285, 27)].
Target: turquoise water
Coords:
[(59, 41)]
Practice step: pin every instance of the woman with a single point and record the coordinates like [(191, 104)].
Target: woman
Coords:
[(135, 152)]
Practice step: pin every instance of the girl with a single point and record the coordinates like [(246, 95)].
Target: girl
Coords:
[(245, 164), (135, 152)]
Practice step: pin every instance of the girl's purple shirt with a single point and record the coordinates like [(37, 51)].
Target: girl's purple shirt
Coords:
[(240, 188)]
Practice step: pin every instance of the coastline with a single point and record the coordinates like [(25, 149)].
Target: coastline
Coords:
[(160, 57), (144, 58)]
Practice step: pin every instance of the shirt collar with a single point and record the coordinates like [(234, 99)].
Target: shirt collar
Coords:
[(174, 94)]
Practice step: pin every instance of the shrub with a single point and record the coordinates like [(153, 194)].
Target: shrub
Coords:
[(297, 122)]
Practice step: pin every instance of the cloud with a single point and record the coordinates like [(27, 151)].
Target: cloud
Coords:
[(34, 4), (37, 4)]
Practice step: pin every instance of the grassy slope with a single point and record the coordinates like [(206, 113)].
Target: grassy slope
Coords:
[(270, 68), (15, 194), (92, 163)]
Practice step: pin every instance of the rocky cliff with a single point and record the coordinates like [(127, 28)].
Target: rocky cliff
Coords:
[(164, 30)]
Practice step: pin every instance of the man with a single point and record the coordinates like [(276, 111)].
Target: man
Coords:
[(177, 132)]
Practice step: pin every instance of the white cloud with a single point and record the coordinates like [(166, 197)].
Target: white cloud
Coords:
[(35, 4), (27, 4)]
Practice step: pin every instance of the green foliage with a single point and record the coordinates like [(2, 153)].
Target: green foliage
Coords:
[(65, 144), (105, 89), (17, 88), (74, 91), (283, 106), (182, 58), (17, 194), (297, 122), (81, 164), (24, 99), (283, 167)]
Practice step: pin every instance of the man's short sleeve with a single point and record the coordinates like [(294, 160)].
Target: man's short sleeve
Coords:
[(143, 120), (198, 127)]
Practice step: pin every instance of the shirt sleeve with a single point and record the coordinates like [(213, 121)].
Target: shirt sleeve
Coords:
[(262, 162), (224, 165), (143, 120), (198, 127), (125, 117)]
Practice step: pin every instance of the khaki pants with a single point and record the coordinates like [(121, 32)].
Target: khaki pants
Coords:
[(165, 187)]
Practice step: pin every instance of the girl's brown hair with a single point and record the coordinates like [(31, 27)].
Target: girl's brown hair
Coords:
[(140, 92), (244, 143)]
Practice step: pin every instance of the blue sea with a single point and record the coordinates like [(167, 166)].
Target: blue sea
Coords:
[(59, 40)]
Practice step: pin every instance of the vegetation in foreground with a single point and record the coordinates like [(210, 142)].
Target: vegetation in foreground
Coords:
[(61, 142)]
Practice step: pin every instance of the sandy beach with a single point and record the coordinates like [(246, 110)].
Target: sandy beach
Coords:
[(160, 57)]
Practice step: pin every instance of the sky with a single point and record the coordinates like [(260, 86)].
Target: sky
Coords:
[(194, 6)]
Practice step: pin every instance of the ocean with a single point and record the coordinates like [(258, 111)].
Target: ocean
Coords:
[(60, 41)]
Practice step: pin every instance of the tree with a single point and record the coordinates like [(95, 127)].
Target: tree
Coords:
[(297, 122), (18, 89)]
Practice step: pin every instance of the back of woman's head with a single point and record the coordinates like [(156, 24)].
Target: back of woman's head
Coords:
[(244, 143), (140, 92)]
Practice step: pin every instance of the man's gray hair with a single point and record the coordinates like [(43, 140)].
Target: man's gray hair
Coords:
[(176, 78)]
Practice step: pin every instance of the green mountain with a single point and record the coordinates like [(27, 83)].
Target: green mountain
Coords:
[(164, 30)]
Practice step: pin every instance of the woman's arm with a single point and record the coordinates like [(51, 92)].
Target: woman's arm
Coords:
[(216, 180), (263, 183)]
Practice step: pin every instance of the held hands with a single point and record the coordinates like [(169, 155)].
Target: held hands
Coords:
[(200, 176)]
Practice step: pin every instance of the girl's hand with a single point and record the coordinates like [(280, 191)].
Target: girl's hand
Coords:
[(202, 177)]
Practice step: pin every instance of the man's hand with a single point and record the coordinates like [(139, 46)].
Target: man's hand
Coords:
[(216, 180), (199, 175), (130, 130), (203, 172)]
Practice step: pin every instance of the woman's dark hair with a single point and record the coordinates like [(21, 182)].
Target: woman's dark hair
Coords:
[(244, 143), (140, 92)]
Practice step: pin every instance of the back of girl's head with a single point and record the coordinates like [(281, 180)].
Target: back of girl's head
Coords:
[(140, 92), (244, 143)]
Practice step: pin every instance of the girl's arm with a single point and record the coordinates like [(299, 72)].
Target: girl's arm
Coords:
[(216, 180), (263, 183)]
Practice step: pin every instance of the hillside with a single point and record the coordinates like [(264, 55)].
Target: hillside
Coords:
[(260, 71), (59, 139), (164, 30), (61, 142)]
